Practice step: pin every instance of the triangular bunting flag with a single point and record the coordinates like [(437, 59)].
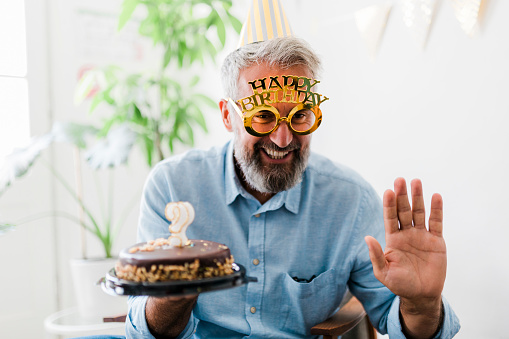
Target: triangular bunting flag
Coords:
[(417, 16), (371, 23), (467, 13)]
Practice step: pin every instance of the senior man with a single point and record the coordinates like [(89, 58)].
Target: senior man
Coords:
[(308, 229)]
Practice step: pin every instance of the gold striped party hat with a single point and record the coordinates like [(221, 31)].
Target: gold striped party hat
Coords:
[(265, 20)]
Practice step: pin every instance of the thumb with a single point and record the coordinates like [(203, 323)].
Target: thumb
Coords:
[(376, 254)]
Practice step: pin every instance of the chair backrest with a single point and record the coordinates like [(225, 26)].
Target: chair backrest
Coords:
[(350, 322)]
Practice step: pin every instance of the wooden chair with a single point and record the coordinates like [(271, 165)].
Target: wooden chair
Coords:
[(349, 322)]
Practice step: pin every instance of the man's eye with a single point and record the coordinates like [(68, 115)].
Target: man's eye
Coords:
[(264, 115), (303, 114)]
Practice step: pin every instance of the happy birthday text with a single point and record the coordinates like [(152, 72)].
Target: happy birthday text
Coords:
[(291, 89)]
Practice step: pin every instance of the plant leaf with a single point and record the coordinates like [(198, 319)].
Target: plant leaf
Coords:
[(211, 19), (107, 94), (181, 53), (167, 56), (210, 48), (221, 30), (18, 163), (96, 100), (194, 81), (138, 118), (72, 133), (227, 5), (149, 149), (189, 132), (236, 23), (128, 7), (113, 150), (200, 120), (107, 125), (205, 99), (4, 228)]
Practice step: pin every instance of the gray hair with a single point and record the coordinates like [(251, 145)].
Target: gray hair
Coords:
[(282, 53)]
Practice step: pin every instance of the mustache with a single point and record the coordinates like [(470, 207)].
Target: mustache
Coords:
[(294, 145)]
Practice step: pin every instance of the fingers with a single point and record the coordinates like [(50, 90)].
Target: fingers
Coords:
[(390, 212), (436, 215), (418, 211), (377, 257), (399, 215), (403, 206)]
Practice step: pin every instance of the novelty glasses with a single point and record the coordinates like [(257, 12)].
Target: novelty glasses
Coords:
[(264, 119)]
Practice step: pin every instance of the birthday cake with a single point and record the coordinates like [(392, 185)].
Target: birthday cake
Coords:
[(175, 258)]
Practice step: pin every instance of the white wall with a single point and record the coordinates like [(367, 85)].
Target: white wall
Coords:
[(439, 114)]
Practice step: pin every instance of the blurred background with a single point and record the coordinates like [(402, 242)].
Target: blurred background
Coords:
[(418, 89)]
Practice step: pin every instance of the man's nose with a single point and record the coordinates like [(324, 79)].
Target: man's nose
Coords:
[(282, 136)]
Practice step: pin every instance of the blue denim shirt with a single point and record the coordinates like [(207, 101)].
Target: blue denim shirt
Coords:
[(313, 233)]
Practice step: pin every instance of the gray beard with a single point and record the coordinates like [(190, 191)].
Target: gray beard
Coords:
[(272, 178)]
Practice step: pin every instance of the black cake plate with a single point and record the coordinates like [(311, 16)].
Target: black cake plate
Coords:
[(113, 285)]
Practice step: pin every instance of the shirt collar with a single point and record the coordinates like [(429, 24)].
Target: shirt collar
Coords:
[(231, 181), (233, 188)]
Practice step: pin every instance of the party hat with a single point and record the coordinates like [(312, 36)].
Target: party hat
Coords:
[(265, 20)]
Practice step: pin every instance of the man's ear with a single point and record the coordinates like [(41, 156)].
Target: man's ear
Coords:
[(226, 115)]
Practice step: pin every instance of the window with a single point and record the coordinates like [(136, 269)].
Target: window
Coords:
[(14, 114)]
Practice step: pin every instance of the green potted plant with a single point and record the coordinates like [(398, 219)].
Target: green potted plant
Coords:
[(163, 108), (154, 112)]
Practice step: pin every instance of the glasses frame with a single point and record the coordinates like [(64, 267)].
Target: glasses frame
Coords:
[(248, 117)]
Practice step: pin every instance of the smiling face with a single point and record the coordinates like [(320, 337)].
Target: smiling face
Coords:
[(275, 162)]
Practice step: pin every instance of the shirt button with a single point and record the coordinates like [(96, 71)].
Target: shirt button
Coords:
[(257, 215), (256, 262), (253, 309)]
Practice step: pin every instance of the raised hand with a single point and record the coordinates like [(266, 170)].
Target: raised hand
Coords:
[(414, 263)]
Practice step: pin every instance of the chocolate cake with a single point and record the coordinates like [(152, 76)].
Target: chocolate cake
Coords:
[(157, 260)]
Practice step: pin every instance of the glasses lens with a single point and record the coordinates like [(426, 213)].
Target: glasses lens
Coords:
[(263, 121), (303, 120)]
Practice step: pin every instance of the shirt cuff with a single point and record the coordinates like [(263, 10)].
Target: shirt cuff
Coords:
[(448, 328), (136, 324), (189, 330)]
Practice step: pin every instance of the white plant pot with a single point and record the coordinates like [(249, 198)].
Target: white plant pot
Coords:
[(92, 301)]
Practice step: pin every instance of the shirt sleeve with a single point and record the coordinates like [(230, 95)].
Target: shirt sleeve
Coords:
[(136, 323), (448, 328), (157, 192), (381, 305), (374, 296)]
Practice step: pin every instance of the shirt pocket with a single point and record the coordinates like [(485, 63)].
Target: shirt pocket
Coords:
[(305, 304)]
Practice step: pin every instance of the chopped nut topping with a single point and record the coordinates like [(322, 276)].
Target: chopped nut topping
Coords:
[(188, 271)]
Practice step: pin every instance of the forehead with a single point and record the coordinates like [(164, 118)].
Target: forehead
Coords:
[(262, 70)]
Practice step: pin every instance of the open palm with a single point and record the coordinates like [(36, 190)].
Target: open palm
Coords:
[(414, 263)]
